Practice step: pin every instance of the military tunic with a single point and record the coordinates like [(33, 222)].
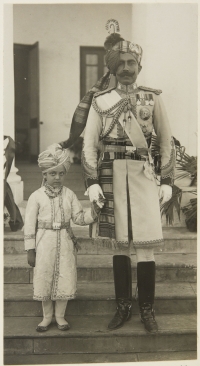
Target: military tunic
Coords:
[(119, 122)]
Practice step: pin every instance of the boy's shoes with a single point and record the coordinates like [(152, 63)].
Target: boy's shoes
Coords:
[(41, 328), (63, 327)]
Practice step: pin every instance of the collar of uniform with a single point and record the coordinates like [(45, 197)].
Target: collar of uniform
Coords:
[(127, 88)]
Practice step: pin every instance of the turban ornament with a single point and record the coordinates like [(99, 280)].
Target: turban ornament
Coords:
[(54, 157), (115, 44)]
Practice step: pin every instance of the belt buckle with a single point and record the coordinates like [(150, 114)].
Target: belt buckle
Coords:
[(56, 225), (130, 149)]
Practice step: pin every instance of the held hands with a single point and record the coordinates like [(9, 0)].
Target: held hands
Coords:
[(31, 257), (165, 193), (96, 206), (96, 194)]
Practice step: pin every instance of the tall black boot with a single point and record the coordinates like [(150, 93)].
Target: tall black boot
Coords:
[(123, 290), (146, 294)]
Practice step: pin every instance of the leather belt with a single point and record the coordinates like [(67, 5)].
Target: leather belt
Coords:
[(121, 155), (50, 226), (112, 152), (125, 149), (117, 143)]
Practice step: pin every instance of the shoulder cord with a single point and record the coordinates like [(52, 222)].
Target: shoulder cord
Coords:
[(119, 106)]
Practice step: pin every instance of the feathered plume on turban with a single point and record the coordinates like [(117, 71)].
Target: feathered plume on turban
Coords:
[(53, 158)]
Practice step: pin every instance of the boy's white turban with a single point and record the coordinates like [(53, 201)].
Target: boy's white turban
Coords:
[(54, 157)]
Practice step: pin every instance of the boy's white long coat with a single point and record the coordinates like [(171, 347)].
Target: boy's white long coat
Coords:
[(55, 275)]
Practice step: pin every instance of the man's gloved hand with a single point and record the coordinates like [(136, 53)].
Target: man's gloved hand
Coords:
[(96, 206), (94, 193), (31, 257), (165, 193)]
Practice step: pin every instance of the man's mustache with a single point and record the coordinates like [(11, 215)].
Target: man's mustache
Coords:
[(126, 73)]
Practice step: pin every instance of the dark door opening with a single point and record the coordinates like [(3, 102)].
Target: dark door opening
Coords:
[(92, 67), (26, 78)]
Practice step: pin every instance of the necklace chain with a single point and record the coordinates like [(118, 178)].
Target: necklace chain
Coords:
[(51, 192)]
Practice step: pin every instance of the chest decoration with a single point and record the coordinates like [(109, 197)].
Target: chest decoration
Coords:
[(138, 104), (144, 113), (144, 99)]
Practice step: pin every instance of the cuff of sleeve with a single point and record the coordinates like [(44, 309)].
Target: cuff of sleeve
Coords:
[(64, 144), (29, 244), (90, 182), (168, 181)]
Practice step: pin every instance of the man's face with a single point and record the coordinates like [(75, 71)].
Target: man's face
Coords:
[(55, 178), (127, 70)]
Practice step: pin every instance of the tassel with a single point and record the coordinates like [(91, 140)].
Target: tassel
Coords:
[(124, 123)]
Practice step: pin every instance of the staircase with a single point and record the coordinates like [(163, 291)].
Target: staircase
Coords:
[(89, 340)]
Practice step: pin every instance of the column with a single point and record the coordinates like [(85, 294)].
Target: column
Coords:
[(13, 179)]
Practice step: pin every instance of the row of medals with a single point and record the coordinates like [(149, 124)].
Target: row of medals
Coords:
[(141, 99)]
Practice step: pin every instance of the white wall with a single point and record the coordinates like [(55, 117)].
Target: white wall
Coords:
[(8, 74), (168, 36), (61, 30)]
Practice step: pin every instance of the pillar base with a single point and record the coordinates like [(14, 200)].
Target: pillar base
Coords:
[(16, 185), (18, 191)]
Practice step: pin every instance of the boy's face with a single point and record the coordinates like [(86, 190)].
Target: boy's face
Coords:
[(56, 177)]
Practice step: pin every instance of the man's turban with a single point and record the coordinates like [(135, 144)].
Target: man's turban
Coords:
[(54, 157), (114, 45)]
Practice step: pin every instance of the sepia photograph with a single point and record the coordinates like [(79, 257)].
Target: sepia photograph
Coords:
[(100, 144)]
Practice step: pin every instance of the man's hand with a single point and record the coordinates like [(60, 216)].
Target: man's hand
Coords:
[(31, 257), (95, 192), (165, 193)]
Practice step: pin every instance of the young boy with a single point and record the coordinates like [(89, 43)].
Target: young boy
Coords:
[(49, 239)]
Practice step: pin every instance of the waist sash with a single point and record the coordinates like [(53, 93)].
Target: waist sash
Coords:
[(47, 225)]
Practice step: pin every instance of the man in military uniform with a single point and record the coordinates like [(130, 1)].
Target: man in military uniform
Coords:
[(118, 166)]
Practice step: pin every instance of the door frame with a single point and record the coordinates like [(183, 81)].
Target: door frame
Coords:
[(90, 50), (34, 122)]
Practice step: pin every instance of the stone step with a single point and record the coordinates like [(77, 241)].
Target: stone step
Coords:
[(99, 298), (177, 240), (98, 268), (98, 358), (89, 334)]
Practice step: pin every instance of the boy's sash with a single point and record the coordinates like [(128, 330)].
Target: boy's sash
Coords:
[(133, 130)]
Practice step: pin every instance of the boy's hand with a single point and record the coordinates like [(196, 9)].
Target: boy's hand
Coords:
[(99, 204), (31, 257), (101, 200)]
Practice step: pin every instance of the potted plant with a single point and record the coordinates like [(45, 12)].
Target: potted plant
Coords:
[(186, 166), (190, 211)]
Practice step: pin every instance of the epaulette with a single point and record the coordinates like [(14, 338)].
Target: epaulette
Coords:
[(104, 91), (156, 91)]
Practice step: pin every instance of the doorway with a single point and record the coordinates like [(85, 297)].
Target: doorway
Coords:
[(92, 67), (26, 80)]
